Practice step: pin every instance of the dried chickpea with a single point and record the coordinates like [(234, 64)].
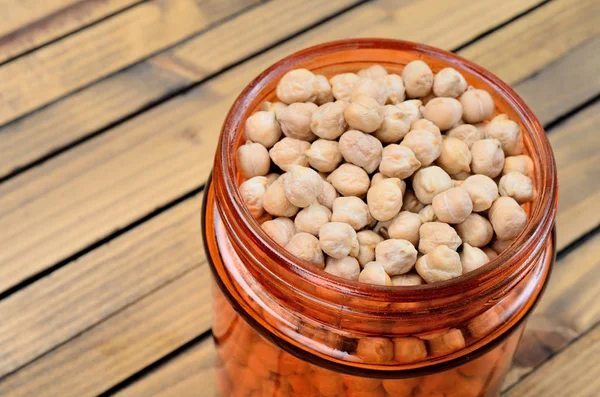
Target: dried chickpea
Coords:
[(411, 203), (396, 256), (448, 342), (253, 159), (455, 156), (328, 195), (424, 124), (443, 112), (351, 210), (302, 185), (487, 157), (346, 267), (434, 234), (323, 90), (395, 125), (522, 164), (449, 82), (252, 191), (381, 228), (507, 132), (378, 177), (405, 226), (482, 190), (476, 231), (295, 121), (398, 162), (409, 350), (274, 107), (407, 280), (400, 387), (324, 155), (338, 240), (306, 247), (272, 177), (372, 72), (289, 151), (312, 218), (374, 273), (395, 87), (297, 85), (373, 88), (517, 186), (411, 110), (427, 214), (467, 133), (507, 218), (356, 385), (472, 258), (478, 105), (440, 264), (364, 113), (375, 350), (367, 241), (361, 149), (500, 245), (429, 182), (350, 180), (491, 254), (425, 145), (341, 85), (280, 229), (452, 205), (385, 199), (418, 79), (261, 127), (275, 201), (328, 120)]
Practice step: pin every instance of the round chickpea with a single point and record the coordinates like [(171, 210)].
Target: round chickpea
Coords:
[(374, 273), (398, 162), (280, 229), (396, 256), (405, 226), (425, 145), (491, 254), (427, 214), (341, 85), (367, 241), (429, 182), (351, 210), (407, 280), (346, 267), (328, 195), (273, 107), (302, 185), (289, 151), (275, 201), (472, 258), (441, 264), (295, 121), (297, 85), (395, 86), (252, 191), (517, 186), (507, 132), (375, 350), (448, 82), (324, 155), (323, 90), (476, 231), (443, 112), (452, 205), (261, 127), (522, 164), (455, 156), (411, 203), (338, 240), (507, 217), (467, 133), (373, 88), (364, 113), (372, 72), (253, 159), (306, 247), (478, 105), (418, 79), (482, 190), (500, 245), (487, 157), (434, 234), (328, 120), (312, 218), (395, 125), (424, 124), (350, 180), (361, 149), (385, 199)]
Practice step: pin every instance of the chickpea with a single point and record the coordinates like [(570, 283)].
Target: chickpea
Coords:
[(449, 82), (487, 157), (306, 247), (446, 343), (328, 120), (418, 79), (478, 105), (425, 144), (374, 273), (405, 226), (328, 195), (274, 107), (427, 214), (295, 121), (324, 155), (400, 387), (455, 156), (500, 245), (252, 191), (272, 177), (429, 182), (395, 87), (472, 258), (396, 256), (302, 185), (261, 127), (312, 218), (467, 133), (398, 162), (507, 217), (289, 151), (373, 88), (323, 90), (476, 231), (381, 228), (407, 280), (361, 149), (434, 234), (440, 264), (452, 205), (253, 159), (461, 177), (375, 350), (346, 267), (280, 229), (395, 125), (297, 85), (338, 240), (364, 114), (372, 72), (482, 190), (350, 180), (443, 112), (411, 109), (409, 350), (275, 201), (361, 387), (424, 124), (522, 164), (378, 177), (517, 186), (341, 85), (367, 241), (507, 132), (491, 254), (411, 203), (385, 199), (351, 210)]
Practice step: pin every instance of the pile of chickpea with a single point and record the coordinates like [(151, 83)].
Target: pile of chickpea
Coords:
[(386, 179)]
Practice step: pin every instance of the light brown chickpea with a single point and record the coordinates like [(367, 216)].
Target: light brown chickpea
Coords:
[(295, 121), (449, 82), (373, 88), (328, 120), (361, 149), (522, 164), (427, 214), (455, 156), (491, 254), (341, 85), (411, 203), (433, 234), (328, 195), (396, 90), (324, 155), (516, 185), (367, 240), (425, 145), (405, 226), (302, 185), (323, 90), (418, 79), (385, 199), (280, 229), (350, 180), (338, 240), (398, 162), (275, 201), (364, 113), (467, 133), (312, 218), (407, 280), (297, 85), (372, 72), (397, 256), (253, 159), (446, 343), (424, 124), (507, 218), (500, 245), (443, 112), (482, 190), (507, 132), (378, 177), (261, 127), (272, 177), (441, 264), (487, 157), (351, 210), (289, 151), (429, 182), (346, 267), (478, 105), (472, 258), (273, 107), (374, 273), (395, 125), (476, 231), (253, 191), (375, 350), (453, 205), (306, 247)]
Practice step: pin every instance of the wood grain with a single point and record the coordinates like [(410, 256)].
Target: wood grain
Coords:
[(75, 61), (52, 25), (126, 92), (17, 14)]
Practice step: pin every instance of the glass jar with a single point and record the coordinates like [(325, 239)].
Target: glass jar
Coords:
[(282, 328)]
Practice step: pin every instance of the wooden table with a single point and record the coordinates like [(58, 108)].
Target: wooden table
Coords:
[(109, 116)]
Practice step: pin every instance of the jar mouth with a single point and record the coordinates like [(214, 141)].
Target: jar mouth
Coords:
[(511, 263)]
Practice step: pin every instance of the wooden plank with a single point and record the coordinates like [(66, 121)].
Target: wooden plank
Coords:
[(575, 372), (75, 61), (124, 93), (71, 17), (17, 14)]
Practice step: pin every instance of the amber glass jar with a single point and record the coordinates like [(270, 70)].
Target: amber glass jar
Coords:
[(284, 329)]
